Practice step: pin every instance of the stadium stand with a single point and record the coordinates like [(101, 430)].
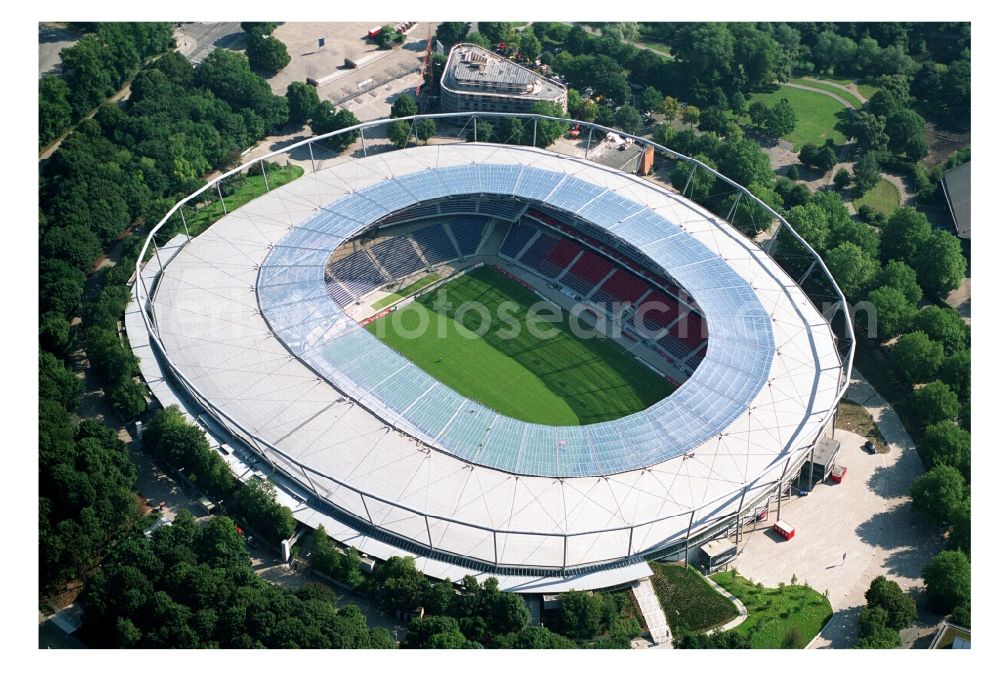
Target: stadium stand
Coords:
[(621, 287), (357, 273), (338, 292), (539, 249), (557, 260), (506, 209), (435, 244), (415, 212), (517, 236), (397, 256), (468, 232), (458, 206), (586, 272)]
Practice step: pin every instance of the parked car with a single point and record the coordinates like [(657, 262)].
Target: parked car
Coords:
[(869, 446)]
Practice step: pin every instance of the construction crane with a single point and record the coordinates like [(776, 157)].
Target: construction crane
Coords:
[(426, 64)]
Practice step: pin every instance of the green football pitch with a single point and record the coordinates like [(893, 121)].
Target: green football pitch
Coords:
[(558, 379)]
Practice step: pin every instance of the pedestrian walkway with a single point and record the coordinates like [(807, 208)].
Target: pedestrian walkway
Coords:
[(740, 608), (652, 612)]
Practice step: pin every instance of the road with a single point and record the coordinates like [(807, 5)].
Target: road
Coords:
[(197, 40)]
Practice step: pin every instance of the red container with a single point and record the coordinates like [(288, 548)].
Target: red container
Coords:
[(783, 529), (838, 473)]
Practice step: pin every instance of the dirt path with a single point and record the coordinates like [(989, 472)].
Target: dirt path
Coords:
[(906, 196)]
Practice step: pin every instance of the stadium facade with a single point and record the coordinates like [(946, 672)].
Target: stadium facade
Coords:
[(251, 327)]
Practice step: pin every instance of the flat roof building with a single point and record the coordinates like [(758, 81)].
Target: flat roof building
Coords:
[(476, 79)]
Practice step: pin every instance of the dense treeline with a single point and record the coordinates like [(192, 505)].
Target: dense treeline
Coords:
[(477, 615), (126, 166), (192, 586), (93, 69)]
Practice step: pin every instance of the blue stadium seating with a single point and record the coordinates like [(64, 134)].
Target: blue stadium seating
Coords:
[(516, 238), (505, 209), (357, 273), (435, 243), (468, 231), (397, 256)]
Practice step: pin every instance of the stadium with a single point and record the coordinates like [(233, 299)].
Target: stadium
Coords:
[(286, 330)]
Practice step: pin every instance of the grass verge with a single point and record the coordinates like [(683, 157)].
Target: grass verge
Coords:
[(827, 87), (855, 418), (786, 617), (251, 188)]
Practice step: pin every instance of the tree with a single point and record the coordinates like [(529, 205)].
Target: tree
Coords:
[(451, 32), (945, 443), (893, 311), (228, 76), (302, 102), (326, 119), (745, 162), (901, 609), (863, 235), (940, 263), (399, 133), (580, 614), (256, 503), (424, 129), (56, 382), (628, 120), (397, 585), (671, 108), (873, 631), (386, 36), (55, 114), (54, 333), (701, 182), (528, 45), (478, 39), (822, 157), (945, 326), (792, 194), (533, 638), (935, 402), (497, 31), (949, 581), (650, 100), (841, 179), (937, 493), (691, 115), (960, 533), (907, 136), (901, 276), (917, 356), (403, 106), (547, 131), (853, 268), (780, 120), (893, 95), (421, 631), (867, 172), (956, 372), (266, 52), (905, 233), (868, 129)]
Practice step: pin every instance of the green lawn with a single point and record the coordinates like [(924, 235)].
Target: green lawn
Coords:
[(883, 198), (827, 87), (198, 219), (689, 603), (787, 617), (816, 114), (406, 291), (555, 380), (865, 88)]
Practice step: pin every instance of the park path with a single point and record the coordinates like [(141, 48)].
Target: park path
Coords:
[(851, 89), (840, 99), (906, 196)]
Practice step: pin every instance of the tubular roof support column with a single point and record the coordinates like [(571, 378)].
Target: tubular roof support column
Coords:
[(534, 134), (364, 503), (694, 168), (427, 523), (773, 242), (218, 189), (732, 209), (739, 519), (781, 483), (311, 158), (496, 551), (184, 222), (475, 129), (590, 135), (157, 252), (687, 539), (631, 530), (812, 450), (364, 146), (565, 550), (263, 172)]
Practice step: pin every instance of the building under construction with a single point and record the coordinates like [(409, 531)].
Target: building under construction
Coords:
[(476, 79)]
